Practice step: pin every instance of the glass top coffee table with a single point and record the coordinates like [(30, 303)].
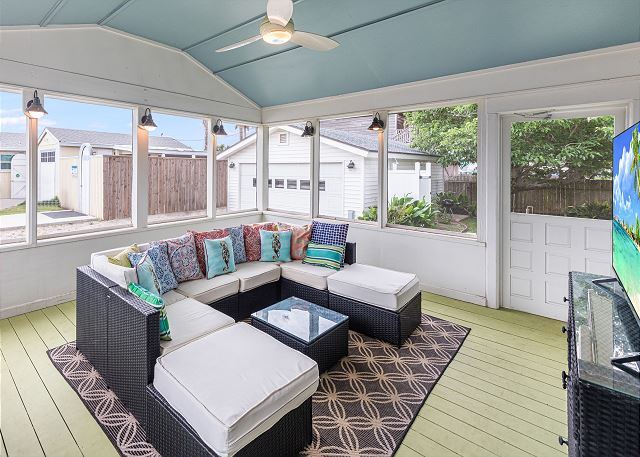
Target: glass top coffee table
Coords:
[(318, 332)]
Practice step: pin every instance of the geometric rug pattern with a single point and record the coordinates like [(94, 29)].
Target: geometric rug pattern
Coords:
[(363, 407)]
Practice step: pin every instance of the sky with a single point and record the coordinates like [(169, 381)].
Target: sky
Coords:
[(626, 203), (102, 118)]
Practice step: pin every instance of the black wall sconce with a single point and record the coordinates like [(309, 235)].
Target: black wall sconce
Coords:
[(351, 165), (309, 130), (377, 124), (232, 165), (218, 129), (147, 121), (35, 110)]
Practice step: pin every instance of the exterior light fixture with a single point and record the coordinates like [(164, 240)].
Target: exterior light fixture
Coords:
[(377, 124), (218, 129), (308, 129), (35, 110), (147, 121), (232, 165), (351, 165)]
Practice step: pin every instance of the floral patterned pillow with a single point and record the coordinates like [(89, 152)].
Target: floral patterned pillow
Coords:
[(160, 258), (199, 238), (183, 257), (251, 234), (300, 238)]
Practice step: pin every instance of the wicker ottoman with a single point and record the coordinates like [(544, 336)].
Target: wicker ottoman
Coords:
[(381, 303), (317, 332)]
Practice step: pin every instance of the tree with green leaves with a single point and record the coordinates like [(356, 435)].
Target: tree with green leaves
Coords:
[(571, 150), (635, 164)]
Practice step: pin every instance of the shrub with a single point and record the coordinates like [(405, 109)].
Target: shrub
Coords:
[(405, 211), (461, 203), (591, 210)]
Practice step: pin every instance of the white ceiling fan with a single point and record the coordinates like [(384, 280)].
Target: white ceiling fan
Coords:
[(277, 28)]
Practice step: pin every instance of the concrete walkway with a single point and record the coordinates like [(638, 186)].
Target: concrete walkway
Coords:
[(13, 221)]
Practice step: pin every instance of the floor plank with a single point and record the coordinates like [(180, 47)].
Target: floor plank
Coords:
[(48, 423), (87, 433), (18, 434), (499, 397)]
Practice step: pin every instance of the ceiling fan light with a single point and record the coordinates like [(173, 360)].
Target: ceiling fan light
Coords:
[(35, 110), (277, 37), (146, 122), (377, 125), (218, 129)]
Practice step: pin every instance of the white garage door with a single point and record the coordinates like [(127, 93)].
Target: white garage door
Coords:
[(247, 186), (289, 187), (332, 189)]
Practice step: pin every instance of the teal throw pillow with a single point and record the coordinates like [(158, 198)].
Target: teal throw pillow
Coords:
[(275, 246), (324, 255), (158, 303), (219, 256), (145, 271)]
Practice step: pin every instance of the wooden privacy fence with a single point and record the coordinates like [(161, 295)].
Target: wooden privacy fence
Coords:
[(550, 197), (176, 184)]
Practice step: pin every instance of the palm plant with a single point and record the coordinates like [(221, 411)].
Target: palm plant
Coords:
[(635, 164)]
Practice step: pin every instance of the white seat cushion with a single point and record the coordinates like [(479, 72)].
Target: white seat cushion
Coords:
[(189, 319), (309, 275), (120, 275), (172, 297), (210, 290), (256, 274), (244, 383), (376, 286)]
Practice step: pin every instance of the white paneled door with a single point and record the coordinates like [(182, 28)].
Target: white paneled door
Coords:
[(539, 250)]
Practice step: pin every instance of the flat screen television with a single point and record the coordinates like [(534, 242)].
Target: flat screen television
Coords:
[(626, 213)]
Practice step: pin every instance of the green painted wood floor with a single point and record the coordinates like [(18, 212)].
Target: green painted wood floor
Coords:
[(500, 396)]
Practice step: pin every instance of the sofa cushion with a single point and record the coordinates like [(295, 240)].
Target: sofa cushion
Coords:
[(219, 257), (122, 257), (191, 320), (376, 286), (120, 275), (199, 238), (275, 246), (256, 274), (237, 237), (183, 258), (172, 296), (331, 234), (324, 255), (159, 255), (251, 234), (309, 275), (244, 383), (210, 290)]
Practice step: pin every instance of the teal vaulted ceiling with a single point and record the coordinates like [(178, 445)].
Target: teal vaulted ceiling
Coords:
[(382, 42)]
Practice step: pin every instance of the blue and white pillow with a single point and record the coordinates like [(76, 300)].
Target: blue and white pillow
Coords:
[(330, 234), (275, 246), (219, 256), (237, 239), (159, 256), (144, 270)]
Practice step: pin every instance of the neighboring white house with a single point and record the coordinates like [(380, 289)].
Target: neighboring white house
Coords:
[(12, 165), (348, 171), (62, 154)]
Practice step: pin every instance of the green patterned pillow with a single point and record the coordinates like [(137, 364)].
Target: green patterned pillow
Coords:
[(324, 255), (158, 303)]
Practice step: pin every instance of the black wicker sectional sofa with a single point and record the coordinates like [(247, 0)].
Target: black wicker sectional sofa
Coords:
[(119, 335)]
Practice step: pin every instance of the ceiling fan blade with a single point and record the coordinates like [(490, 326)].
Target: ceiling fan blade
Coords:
[(313, 41), (280, 11), (240, 44)]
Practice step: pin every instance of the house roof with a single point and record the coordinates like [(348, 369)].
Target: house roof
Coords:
[(12, 141), (362, 141), (77, 137)]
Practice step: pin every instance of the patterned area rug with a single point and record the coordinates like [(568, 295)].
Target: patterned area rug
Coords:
[(363, 407)]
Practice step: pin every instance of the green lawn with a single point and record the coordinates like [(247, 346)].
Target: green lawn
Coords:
[(20, 209)]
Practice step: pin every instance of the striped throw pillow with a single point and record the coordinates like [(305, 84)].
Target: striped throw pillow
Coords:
[(158, 303), (324, 255)]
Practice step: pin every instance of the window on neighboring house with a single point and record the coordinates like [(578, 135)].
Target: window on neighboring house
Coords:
[(305, 184), (13, 183), (290, 157), (86, 187), (433, 170), (177, 168), (5, 162), (270, 183), (349, 168), (237, 185)]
